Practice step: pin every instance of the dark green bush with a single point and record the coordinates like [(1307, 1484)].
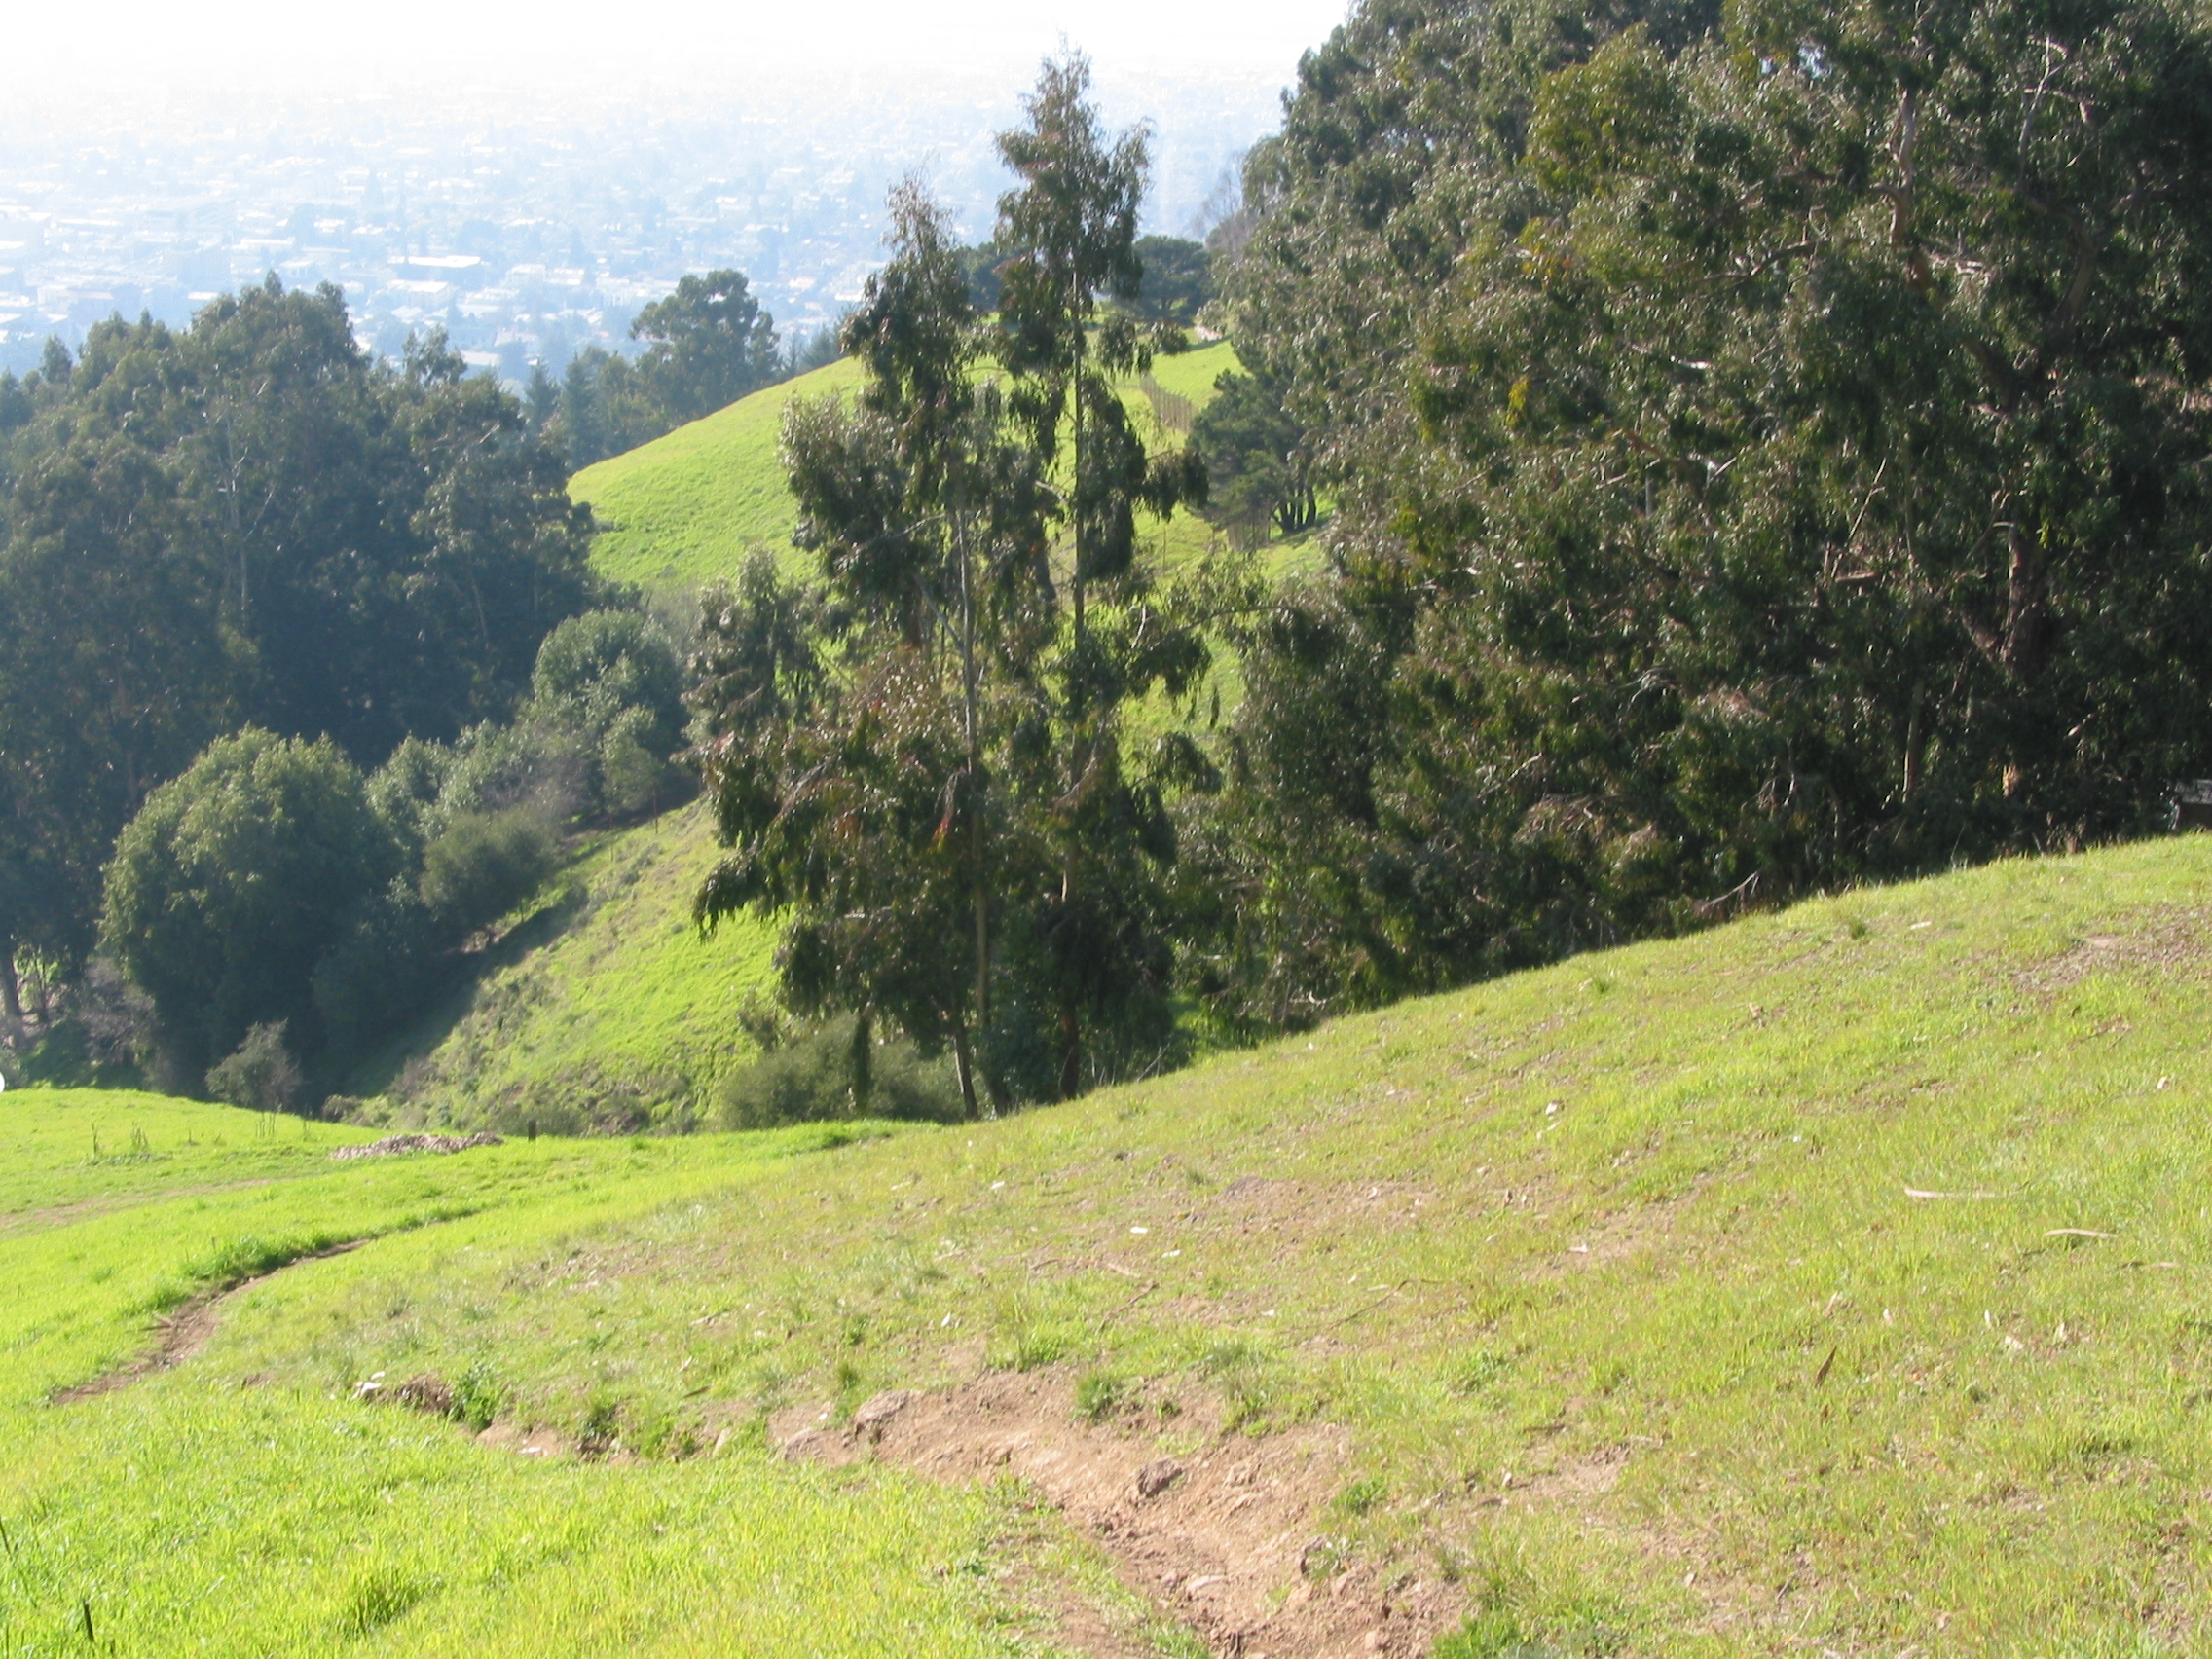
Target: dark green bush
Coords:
[(809, 1079), (484, 865), (261, 1075), (381, 969)]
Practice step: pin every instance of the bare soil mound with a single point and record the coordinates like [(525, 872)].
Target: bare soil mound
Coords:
[(395, 1146)]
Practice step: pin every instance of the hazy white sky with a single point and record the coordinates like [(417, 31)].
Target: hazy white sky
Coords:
[(392, 43)]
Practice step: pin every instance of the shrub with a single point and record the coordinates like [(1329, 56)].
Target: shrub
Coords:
[(261, 1075), (809, 1079), (484, 865), (379, 972), (233, 882)]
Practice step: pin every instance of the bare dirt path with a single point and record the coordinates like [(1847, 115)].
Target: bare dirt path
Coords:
[(183, 1333), (1226, 1534)]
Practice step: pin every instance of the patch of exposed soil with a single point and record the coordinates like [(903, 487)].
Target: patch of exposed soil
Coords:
[(183, 1333), (2166, 938), (532, 1442), (1225, 1534)]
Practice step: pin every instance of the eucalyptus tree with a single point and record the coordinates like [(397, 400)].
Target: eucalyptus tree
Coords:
[(1067, 235), (866, 805), (945, 816)]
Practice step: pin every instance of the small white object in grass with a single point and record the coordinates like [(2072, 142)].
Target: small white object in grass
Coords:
[(1268, 1314), (1169, 1255), (1550, 1108), (1917, 926), (2165, 1082), (1140, 1230), (996, 1185), (946, 1320)]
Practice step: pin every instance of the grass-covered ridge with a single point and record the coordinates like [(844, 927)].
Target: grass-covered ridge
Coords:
[(608, 1009), (684, 509), (1834, 1280)]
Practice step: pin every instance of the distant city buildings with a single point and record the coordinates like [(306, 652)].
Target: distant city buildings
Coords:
[(526, 234)]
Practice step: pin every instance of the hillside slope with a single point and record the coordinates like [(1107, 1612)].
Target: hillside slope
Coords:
[(1832, 1281), (683, 510), (607, 1009)]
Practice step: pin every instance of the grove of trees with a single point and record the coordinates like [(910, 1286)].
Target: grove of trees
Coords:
[(372, 575), (1769, 451), (1765, 448)]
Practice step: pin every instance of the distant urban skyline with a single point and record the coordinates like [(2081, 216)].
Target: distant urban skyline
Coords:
[(531, 223)]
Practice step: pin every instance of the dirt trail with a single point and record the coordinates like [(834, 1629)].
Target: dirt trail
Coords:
[(183, 1333), (1225, 1534)]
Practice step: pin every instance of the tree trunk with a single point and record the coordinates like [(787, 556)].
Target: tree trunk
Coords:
[(1071, 1050), (11, 993), (964, 1062), (864, 1062)]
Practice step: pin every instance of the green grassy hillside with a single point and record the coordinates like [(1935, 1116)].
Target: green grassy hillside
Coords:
[(191, 1510), (1832, 1281), (684, 509), (607, 1010)]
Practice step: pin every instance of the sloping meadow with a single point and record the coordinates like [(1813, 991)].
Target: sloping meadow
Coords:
[(1832, 1280)]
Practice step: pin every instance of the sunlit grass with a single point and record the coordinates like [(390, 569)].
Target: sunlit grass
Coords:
[(1614, 1276), (611, 1008)]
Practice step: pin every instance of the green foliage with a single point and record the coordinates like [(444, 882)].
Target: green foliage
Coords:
[(1257, 474), (933, 794), (251, 521), (232, 883), (708, 344), (483, 864), (1739, 493), (261, 1075), (1177, 282), (809, 1078), (612, 683)]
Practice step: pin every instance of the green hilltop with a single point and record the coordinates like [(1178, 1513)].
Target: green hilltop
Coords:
[(683, 510), (1831, 1281)]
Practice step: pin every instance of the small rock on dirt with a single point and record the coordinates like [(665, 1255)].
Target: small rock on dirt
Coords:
[(1158, 1476), (874, 1414)]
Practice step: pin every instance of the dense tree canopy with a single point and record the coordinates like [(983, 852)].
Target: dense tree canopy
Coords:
[(251, 522), (1770, 456), (233, 882)]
